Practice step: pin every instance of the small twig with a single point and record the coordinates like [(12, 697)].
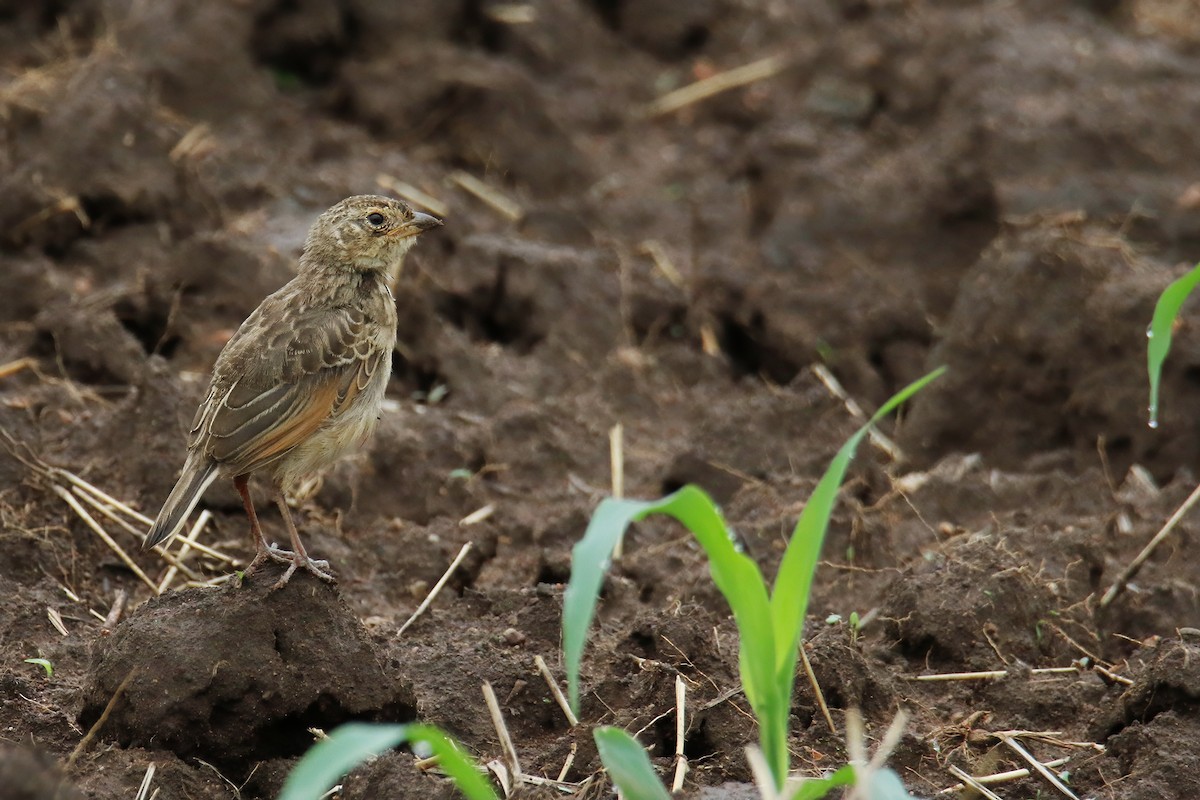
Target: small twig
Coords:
[(997, 777), (556, 691), (478, 515), (412, 194), (1038, 766), (715, 84), (501, 203), (1137, 562), (816, 687), (616, 462), (506, 744), (437, 587), (103, 534), (1112, 676), (974, 783), (114, 613), (681, 765), (879, 439), (99, 723)]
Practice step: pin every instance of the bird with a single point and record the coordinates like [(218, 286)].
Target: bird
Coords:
[(301, 382)]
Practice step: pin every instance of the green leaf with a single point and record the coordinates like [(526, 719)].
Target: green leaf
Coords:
[(1159, 332), (628, 765), (43, 663), (355, 742), (789, 597), (736, 575), (769, 627), (815, 788)]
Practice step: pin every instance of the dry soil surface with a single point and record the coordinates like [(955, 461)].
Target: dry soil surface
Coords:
[(1001, 186)]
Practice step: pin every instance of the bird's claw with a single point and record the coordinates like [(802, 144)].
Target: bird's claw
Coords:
[(316, 566)]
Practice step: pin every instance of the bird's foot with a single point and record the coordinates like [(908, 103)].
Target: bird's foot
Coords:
[(316, 567)]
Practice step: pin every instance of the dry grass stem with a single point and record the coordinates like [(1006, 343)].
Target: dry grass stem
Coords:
[(506, 743), (721, 82), (1112, 676), (56, 621), (995, 778), (681, 765), (90, 521), (107, 512), (1131, 570), (990, 674), (188, 541), (437, 587), (974, 783), (499, 202), (566, 767), (99, 723), (144, 789), (559, 698), (94, 500), (118, 608), (708, 340), (513, 13), (616, 465), (1038, 766), (658, 254), (13, 367), (478, 515), (816, 687), (880, 440), (412, 194)]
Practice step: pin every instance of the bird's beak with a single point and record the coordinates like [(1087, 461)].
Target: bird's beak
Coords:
[(420, 223)]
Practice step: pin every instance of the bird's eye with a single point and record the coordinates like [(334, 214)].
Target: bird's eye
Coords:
[(376, 219)]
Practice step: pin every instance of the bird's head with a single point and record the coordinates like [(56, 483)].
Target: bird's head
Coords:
[(365, 233)]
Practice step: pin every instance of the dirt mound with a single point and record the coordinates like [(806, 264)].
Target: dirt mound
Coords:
[(238, 674)]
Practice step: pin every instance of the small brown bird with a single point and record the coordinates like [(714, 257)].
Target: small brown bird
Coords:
[(301, 382)]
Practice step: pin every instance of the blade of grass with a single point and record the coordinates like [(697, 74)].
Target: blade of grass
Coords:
[(355, 742), (816, 788), (628, 765), (789, 596), (736, 575), (1166, 310)]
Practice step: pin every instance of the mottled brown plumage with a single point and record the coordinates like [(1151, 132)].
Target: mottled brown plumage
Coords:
[(302, 380)]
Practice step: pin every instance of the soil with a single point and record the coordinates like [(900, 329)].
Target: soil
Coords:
[(1000, 186)]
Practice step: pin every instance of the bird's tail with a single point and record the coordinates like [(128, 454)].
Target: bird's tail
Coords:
[(198, 472)]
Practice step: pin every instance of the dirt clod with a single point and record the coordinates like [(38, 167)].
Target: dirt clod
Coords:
[(236, 674)]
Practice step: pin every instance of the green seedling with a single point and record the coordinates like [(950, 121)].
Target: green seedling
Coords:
[(1159, 333), (44, 664), (355, 742), (769, 625), (628, 765)]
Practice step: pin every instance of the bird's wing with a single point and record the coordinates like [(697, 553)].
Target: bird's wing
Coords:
[(279, 379)]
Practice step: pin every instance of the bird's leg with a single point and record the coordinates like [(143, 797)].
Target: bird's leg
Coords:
[(263, 552), (299, 556)]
